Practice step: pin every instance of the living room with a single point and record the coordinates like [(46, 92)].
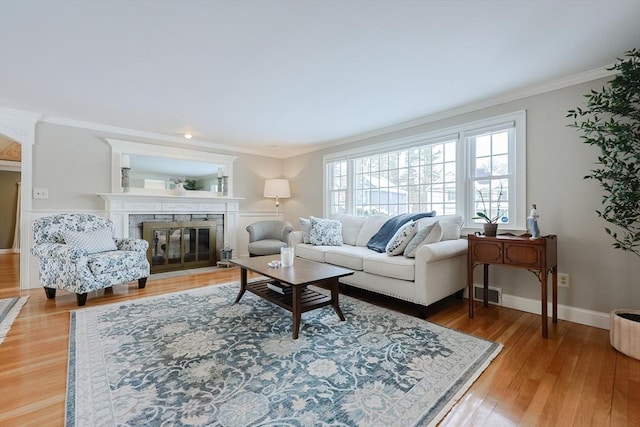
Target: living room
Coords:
[(71, 158)]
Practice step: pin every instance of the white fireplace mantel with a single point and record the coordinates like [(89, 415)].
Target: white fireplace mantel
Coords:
[(120, 205)]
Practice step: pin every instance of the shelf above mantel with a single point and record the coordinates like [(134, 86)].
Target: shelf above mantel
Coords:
[(191, 196)]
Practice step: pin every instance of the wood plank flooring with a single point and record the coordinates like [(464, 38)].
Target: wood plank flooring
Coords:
[(573, 378)]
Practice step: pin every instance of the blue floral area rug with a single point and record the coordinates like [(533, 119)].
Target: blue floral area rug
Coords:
[(9, 309), (197, 359)]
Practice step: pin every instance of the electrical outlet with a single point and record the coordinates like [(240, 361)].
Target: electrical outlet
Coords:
[(563, 280), (40, 193)]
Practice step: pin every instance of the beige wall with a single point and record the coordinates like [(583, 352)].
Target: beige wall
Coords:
[(8, 200), (75, 164), (602, 278)]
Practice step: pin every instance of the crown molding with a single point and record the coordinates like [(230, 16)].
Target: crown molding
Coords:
[(192, 143), (10, 166)]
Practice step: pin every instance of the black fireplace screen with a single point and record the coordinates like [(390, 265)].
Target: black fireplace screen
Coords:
[(180, 245)]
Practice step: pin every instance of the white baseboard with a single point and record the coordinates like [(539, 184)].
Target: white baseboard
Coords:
[(6, 251), (572, 314)]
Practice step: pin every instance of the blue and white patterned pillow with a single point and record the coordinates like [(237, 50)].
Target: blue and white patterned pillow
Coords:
[(326, 232), (305, 225), (100, 240), (430, 234), (401, 239)]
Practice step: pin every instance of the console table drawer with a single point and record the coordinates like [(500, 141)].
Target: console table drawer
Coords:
[(522, 255), (490, 252)]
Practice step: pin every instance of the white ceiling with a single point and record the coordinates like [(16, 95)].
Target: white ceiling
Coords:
[(281, 76)]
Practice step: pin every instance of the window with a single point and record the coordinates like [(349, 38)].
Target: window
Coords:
[(462, 170)]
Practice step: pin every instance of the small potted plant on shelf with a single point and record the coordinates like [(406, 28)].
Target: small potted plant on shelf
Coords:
[(179, 181), (611, 122), (491, 222)]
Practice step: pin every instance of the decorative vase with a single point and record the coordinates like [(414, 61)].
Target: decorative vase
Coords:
[(624, 332), (490, 229), (180, 190)]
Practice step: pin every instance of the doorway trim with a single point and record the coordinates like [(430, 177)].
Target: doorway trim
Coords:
[(21, 127)]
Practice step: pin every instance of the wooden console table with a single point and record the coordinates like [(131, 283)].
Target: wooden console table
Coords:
[(536, 255)]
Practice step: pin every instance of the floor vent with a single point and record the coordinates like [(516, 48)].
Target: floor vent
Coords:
[(495, 294)]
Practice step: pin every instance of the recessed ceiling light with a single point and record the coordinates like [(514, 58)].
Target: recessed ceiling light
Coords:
[(188, 135)]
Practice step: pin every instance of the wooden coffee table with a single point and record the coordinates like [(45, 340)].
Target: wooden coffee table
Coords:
[(298, 277)]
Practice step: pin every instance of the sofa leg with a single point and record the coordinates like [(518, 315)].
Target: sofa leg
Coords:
[(82, 299), (50, 292), (142, 282), (344, 289), (422, 312)]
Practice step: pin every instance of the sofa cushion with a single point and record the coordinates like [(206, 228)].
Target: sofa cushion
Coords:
[(430, 234), (109, 262), (305, 226), (347, 256), (311, 252), (326, 232), (397, 267), (92, 242), (451, 225), (401, 239), (351, 226), (370, 227)]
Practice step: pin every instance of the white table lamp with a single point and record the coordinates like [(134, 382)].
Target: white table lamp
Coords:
[(277, 188)]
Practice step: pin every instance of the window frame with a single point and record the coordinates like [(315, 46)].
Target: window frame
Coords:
[(464, 178)]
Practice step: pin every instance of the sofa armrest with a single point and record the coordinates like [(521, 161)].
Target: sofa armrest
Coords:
[(58, 250), (138, 245), (441, 250), (295, 237)]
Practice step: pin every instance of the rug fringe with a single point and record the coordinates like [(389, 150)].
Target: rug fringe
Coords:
[(11, 316), (465, 387)]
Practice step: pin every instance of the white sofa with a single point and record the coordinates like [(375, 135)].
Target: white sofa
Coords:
[(437, 271)]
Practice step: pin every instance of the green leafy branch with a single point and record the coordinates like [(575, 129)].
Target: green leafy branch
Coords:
[(611, 122)]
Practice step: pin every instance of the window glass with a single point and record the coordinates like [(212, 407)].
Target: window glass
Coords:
[(474, 170)]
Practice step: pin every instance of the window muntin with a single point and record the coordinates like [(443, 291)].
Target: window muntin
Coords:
[(415, 179), (491, 174), (439, 171)]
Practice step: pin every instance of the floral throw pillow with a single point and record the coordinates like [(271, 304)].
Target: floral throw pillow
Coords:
[(401, 239), (326, 232)]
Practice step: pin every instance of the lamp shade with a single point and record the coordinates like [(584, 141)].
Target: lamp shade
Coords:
[(276, 188)]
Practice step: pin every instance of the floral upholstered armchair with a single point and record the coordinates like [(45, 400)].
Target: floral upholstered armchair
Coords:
[(78, 253)]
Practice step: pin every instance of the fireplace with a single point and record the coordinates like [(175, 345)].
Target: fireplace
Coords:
[(180, 245), (129, 211)]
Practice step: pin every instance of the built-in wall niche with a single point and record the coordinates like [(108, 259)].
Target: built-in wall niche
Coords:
[(156, 165)]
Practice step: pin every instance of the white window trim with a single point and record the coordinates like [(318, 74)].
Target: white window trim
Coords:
[(459, 132)]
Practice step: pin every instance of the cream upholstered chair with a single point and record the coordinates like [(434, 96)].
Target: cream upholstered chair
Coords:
[(267, 237), (78, 253)]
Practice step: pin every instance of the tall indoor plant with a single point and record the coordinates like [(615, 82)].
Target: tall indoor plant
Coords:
[(611, 122)]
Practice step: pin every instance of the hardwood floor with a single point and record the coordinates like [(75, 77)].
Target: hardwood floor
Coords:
[(572, 378)]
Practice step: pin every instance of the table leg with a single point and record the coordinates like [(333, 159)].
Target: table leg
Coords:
[(297, 309), (543, 284), (335, 291), (470, 287), (243, 284), (485, 282), (554, 286)]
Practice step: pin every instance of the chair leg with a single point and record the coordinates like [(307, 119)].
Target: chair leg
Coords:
[(51, 292), (142, 282), (82, 299)]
